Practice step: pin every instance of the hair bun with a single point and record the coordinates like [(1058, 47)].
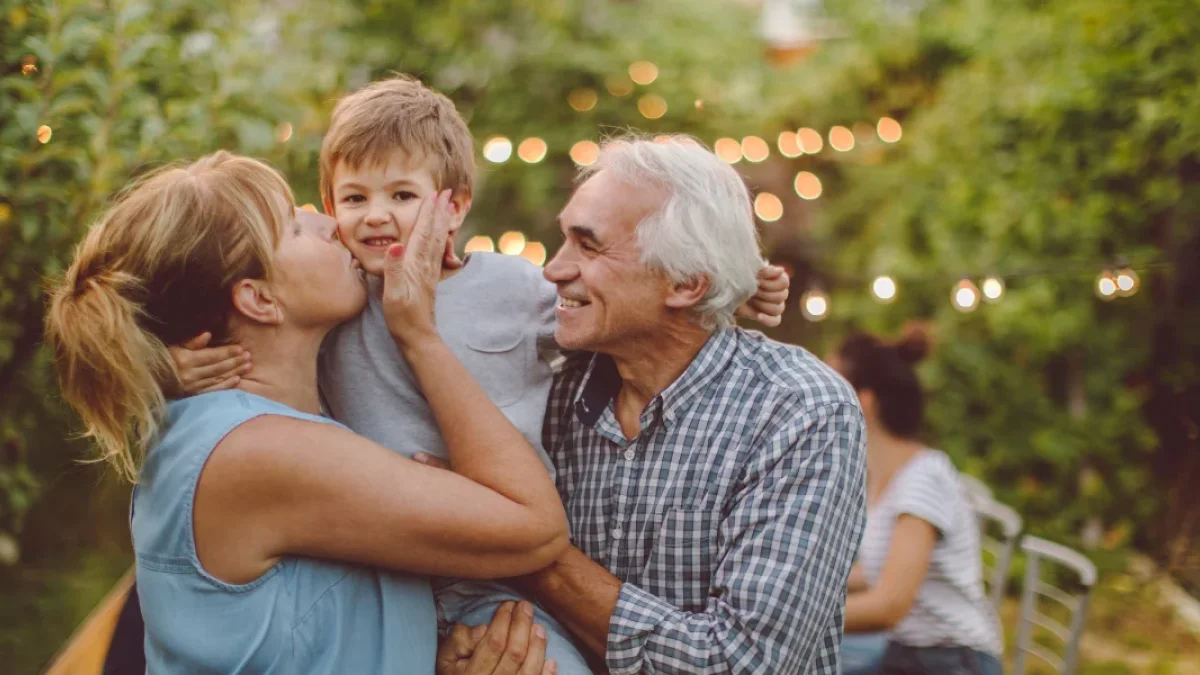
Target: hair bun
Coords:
[(916, 340)]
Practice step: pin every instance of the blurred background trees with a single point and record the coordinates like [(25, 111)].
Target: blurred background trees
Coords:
[(1036, 141)]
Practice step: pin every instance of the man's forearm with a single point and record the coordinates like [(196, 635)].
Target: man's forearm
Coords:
[(579, 593)]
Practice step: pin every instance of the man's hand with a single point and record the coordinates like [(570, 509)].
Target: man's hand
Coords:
[(510, 645), (203, 369), (767, 305)]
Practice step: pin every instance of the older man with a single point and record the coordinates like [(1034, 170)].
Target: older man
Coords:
[(714, 479)]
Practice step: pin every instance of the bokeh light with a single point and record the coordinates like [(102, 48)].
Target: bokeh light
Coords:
[(965, 296), (652, 106), (841, 139), (768, 207), (1127, 282), (643, 72), (884, 289), (789, 144), (810, 140), (807, 185), (532, 150), (889, 130), (535, 253), (479, 243), (619, 85), (44, 133), (283, 132), (585, 153), (512, 243), (728, 150), (497, 149), (993, 289), (814, 305), (755, 149), (582, 100), (1106, 285)]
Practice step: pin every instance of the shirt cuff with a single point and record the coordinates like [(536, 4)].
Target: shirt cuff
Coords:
[(637, 615)]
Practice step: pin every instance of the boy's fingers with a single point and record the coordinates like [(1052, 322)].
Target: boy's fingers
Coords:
[(198, 342), (230, 365), (771, 297), (222, 385)]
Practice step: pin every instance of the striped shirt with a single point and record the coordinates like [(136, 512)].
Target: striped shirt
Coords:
[(951, 608), (732, 518)]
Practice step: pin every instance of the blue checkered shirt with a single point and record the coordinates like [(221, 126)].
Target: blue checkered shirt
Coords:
[(732, 519)]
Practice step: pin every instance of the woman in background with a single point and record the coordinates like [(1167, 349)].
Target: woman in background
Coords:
[(916, 592)]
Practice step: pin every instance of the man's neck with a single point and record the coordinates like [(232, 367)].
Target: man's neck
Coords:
[(648, 367), (285, 369)]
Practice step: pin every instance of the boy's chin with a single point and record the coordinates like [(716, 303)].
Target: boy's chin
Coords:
[(372, 264)]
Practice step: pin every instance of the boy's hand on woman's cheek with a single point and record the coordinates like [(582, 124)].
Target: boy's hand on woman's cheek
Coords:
[(203, 369)]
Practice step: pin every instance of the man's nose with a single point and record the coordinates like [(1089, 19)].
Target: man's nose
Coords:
[(560, 268)]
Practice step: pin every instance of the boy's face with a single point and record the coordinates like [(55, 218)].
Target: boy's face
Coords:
[(376, 205)]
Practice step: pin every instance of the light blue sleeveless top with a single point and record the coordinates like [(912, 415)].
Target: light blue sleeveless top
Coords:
[(302, 616)]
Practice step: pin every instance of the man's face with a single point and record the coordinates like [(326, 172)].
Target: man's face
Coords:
[(607, 296), (376, 205)]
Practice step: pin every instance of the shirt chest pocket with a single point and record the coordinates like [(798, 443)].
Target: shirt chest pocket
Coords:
[(679, 568), (501, 362)]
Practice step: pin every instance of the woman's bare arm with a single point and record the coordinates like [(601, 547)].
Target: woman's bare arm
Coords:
[(887, 602), (278, 486)]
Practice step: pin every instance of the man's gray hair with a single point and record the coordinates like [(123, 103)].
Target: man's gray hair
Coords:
[(705, 226)]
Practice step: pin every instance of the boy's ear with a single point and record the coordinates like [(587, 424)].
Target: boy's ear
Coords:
[(253, 299), (462, 204)]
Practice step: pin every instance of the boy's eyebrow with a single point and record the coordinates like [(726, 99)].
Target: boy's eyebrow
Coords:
[(351, 185)]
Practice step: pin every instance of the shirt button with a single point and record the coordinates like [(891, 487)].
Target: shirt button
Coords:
[(629, 454), (617, 533)]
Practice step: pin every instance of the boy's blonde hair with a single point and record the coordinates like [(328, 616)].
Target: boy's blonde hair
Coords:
[(399, 114), (158, 268)]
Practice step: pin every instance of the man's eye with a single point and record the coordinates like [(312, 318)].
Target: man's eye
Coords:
[(404, 195)]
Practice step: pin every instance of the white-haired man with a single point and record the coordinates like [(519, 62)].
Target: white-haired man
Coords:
[(714, 479)]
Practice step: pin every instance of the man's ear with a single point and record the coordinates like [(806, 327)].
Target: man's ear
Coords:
[(253, 299), (688, 294)]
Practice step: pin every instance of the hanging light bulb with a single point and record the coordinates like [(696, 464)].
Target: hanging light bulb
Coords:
[(814, 305), (965, 296), (1127, 282), (1106, 285), (993, 289), (884, 289)]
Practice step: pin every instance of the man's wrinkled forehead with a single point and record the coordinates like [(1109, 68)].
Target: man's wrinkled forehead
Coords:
[(605, 205)]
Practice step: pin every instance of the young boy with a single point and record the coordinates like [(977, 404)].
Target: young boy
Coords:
[(388, 146)]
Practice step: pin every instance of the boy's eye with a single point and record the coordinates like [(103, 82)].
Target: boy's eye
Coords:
[(404, 195), (353, 199)]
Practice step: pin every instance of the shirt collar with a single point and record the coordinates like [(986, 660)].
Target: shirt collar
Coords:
[(601, 382)]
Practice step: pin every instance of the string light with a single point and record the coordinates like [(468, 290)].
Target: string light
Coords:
[(755, 149), (889, 130), (480, 243), (44, 133), (841, 139), (699, 104), (789, 145), (512, 243), (884, 289), (497, 149), (814, 305), (585, 153), (1106, 285), (535, 253), (965, 296), (728, 150), (643, 72), (993, 289), (532, 150), (283, 132), (1127, 282), (768, 207), (582, 100), (810, 140), (807, 185), (652, 106)]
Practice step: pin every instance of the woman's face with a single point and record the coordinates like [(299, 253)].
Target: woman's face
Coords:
[(319, 285)]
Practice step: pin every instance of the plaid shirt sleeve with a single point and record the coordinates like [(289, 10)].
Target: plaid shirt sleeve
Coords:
[(785, 551)]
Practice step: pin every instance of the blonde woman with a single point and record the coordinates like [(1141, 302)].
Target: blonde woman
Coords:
[(261, 528)]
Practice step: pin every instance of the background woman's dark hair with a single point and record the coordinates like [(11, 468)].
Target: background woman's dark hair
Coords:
[(887, 369)]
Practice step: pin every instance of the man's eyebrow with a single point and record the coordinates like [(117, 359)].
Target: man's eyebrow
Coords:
[(582, 232)]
